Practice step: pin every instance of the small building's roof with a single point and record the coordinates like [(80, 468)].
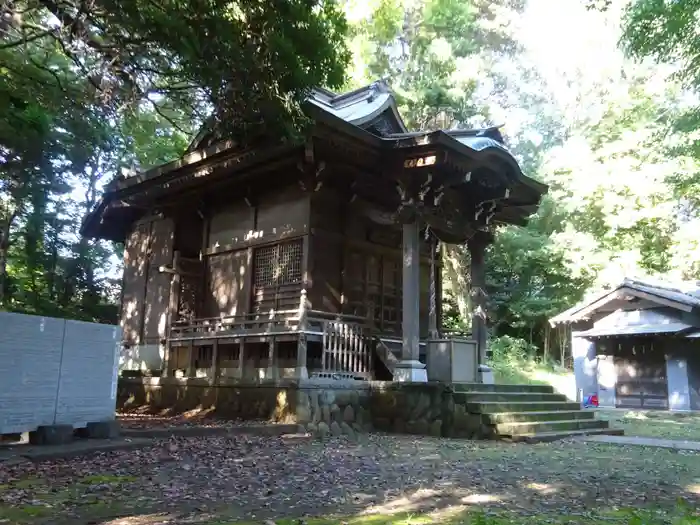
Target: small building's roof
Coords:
[(646, 329), (683, 296), (663, 320)]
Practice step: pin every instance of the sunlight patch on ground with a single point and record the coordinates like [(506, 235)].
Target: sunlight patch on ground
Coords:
[(479, 499), (405, 503), (145, 519), (542, 488), (562, 382), (694, 488)]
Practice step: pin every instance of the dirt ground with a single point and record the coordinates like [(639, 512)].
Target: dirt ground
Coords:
[(237, 479)]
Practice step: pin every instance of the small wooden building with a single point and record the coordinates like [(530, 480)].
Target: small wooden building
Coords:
[(311, 258), (638, 345)]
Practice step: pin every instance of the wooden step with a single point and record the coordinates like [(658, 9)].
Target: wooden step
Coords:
[(507, 397), (546, 437), (494, 407), (522, 389), (516, 417), (544, 427)]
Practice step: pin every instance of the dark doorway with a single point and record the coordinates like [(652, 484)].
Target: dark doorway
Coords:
[(641, 374)]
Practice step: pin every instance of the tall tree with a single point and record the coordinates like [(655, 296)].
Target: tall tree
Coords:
[(249, 64), (91, 88)]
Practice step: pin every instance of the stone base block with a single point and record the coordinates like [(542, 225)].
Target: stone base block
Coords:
[(410, 372), (52, 435), (102, 430), (486, 375)]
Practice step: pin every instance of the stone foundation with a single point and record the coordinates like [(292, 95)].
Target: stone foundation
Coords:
[(410, 408), (323, 407)]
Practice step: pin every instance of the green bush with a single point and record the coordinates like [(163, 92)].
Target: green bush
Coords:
[(513, 360)]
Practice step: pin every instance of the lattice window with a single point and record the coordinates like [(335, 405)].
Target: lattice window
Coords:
[(278, 264), (265, 266), (290, 262)]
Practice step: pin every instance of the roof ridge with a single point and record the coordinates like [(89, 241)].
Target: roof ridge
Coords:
[(685, 287)]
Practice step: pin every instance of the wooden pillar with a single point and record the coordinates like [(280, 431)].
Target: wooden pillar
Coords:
[(477, 248), (410, 368), (432, 311), (302, 370), (171, 316)]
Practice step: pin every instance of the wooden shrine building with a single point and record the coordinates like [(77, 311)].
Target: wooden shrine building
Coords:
[(316, 258)]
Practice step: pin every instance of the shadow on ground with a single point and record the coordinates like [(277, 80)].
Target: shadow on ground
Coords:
[(241, 479)]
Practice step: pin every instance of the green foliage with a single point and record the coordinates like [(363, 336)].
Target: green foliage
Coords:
[(250, 63), (529, 278), (421, 47), (87, 90)]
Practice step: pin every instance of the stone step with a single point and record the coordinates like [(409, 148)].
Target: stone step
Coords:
[(508, 397), (481, 387), (494, 407), (543, 427), (516, 417), (545, 437)]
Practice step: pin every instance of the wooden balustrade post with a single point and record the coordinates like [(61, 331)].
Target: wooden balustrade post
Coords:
[(191, 371), (215, 362), (302, 371), (271, 372), (325, 345), (241, 359)]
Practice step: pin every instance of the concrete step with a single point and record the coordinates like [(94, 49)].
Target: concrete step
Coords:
[(495, 407), (508, 397), (545, 437), (544, 427), (481, 387), (516, 417)]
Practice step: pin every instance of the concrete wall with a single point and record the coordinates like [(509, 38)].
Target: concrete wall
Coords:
[(54, 371)]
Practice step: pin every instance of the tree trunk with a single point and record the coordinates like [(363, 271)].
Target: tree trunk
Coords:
[(4, 254), (3, 272), (458, 278)]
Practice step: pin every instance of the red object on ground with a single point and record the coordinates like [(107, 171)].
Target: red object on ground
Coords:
[(594, 400)]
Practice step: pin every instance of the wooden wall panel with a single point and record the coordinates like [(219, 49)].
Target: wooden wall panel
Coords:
[(326, 263), (146, 291), (189, 228), (327, 210), (158, 284), (134, 283), (230, 225), (228, 288), (282, 214)]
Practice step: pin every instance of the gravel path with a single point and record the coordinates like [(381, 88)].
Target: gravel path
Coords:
[(241, 477)]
